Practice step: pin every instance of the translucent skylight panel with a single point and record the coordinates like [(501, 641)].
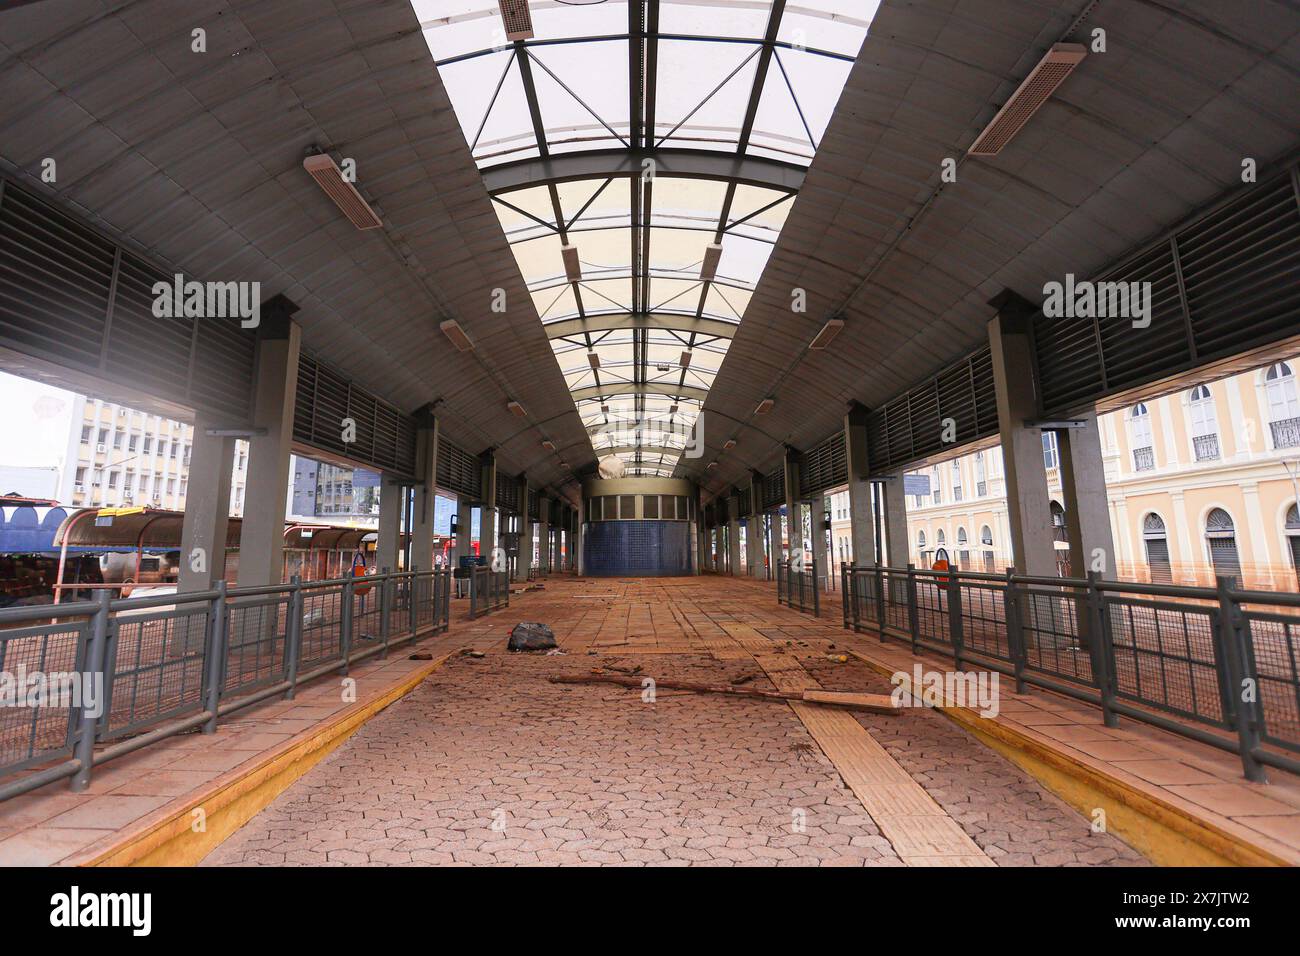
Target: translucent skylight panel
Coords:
[(554, 20), (603, 207), (725, 302), (535, 201), (743, 259), (454, 27), (837, 26), (472, 87), (557, 302), (689, 72), (539, 259), (727, 18), (680, 201), (817, 82), (596, 74), (603, 293), (678, 250), (604, 250), (674, 295)]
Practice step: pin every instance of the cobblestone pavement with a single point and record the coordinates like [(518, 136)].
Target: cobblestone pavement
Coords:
[(489, 763)]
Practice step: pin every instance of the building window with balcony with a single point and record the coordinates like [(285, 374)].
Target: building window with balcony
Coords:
[(986, 542), (920, 546), (956, 480), (1051, 454), (85, 433), (963, 552), (981, 479), (1058, 522), (148, 446), (1293, 539), (1139, 423), (1156, 540), (1283, 406), (1205, 425)]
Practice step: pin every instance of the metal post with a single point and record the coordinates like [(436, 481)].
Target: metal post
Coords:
[(845, 580), (881, 616), (473, 592), (816, 591), (1100, 649), (1240, 681), (87, 723), (913, 617), (216, 651), (1015, 635), (345, 624), (412, 601), (385, 609), (293, 635), (955, 626)]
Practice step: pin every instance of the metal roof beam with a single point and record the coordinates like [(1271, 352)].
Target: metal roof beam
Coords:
[(631, 388), (627, 163)]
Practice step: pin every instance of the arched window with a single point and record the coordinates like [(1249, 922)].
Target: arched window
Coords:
[(1157, 547), (1139, 423), (1205, 424), (1283, 406), (981, 479), (920, 547), (956, 479), (1221, 536), (986, 542), (1293, 538), (1058, 522), (963, 554), (940, 538)]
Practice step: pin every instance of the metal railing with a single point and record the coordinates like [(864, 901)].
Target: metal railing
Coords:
[(797, 587), (488, 591), (125, 673), (1217, 665)]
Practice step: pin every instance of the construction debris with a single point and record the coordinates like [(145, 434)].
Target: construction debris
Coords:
[(875, 703), (421, 656), (531, 636)]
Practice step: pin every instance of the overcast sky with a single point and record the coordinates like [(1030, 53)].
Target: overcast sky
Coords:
[(34, 423)]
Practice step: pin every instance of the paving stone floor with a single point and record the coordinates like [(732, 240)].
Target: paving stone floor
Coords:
[(487, 762)]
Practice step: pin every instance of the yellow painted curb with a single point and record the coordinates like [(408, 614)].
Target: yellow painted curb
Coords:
[(1166, 834), (228, 805)]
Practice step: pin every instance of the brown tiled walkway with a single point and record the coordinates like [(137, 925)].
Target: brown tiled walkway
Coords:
[(489, 762)]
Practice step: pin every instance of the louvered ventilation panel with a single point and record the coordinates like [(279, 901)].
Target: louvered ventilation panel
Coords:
[(517, 19), (773, 489), (507, 493), (458, 470), (532, 504), (385, 437), (825, 466), (1041, 83)]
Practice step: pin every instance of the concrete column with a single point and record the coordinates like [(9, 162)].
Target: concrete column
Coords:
[(426, 490), (392, 502), (1087, 511), (733, 534), (819, 550), (261, 541), (793, 516), (756, 545), (544, 533), (579, 536), (487, 522), (1022, 448), (464, 546), (207, 507), (525, 532), (898, 544), (862, 524)]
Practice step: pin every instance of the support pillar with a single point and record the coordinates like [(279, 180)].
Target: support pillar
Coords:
[(487, 522), (793, 511), (1028, 510), (392, 502), (544, 534), (898, 548), (426, 489), (525, 557), (819, 552), (464, 529), (756, 545), (207, 508), (862, 523), (734, 567), (261, 541), (1087, 511), (580, 535)]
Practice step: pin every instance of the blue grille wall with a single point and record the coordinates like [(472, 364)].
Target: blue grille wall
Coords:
[(637, 548)]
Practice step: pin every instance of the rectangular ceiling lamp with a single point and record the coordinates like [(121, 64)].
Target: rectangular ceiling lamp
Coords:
[(712, 254), (451, 328), (672, 409), (517, 19), (765, 406), (593, 359), (729, 444), (329, 177), (1042, 81), (572, 268), (686, 360), (548, 445), (516, 409), (828, 332)]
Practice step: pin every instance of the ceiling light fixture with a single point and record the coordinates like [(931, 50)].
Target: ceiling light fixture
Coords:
[(548, 444), (322, 168), (572, 267), (765, 406), (1057, 64), (517, 19), (826, 335), (516, 408), (593, 359), (712, 254), (685, 359), (730, 444), (451, 328)]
